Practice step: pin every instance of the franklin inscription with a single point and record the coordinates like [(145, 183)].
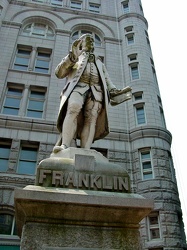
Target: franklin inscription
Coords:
[(99, 182)]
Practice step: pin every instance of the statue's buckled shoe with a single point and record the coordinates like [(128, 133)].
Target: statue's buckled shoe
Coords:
[(56, 149)]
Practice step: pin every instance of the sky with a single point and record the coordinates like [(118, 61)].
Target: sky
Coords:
[(167, 29)]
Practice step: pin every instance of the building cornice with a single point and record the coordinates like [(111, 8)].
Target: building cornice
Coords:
[(11, 24), (147, 131), (130, 15)]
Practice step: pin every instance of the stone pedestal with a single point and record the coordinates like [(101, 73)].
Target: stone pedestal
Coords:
[(80, 201)]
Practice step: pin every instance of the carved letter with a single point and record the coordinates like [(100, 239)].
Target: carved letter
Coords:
[(94, 180), (105, 184), (84, 179), (115, 183), (57, 175), (43, 176), (71, 180), (123, 184)]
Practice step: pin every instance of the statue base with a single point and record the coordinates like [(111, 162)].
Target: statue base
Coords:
[(75, 205)]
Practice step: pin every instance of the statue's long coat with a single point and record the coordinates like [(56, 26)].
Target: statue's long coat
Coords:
[(73, 71)]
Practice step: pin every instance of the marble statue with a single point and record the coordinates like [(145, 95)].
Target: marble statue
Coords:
[(85, 96)]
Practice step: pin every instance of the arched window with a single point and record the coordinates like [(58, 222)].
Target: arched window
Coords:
[(77, 34), (39, 30), (7, 224)]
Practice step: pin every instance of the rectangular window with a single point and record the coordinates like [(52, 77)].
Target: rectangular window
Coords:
[(129, 29), (140, 115), (36, 104), (57, 2), (134, 72), (146, 164), (162, 117), (125, 6), (39, 1), (22, 59), (27, 160), (32, 60), (42, 62), (138, 96), (94, 8), (132, 57), (154, 226), (154, 74), (1, 10), (12, 101), (76, 5), (130, 39), (160, 248), (4, 156)]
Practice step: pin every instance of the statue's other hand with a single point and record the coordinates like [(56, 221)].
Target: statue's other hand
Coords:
[(116, 92)]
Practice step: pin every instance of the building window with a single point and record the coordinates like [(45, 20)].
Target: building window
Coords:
[(159, 100), (130, 39), (132, 57), (140, 114), (76, 5), (77, 34), (39, 29), (134, 71), (125, 7), (57, 2), (12, 101), (147, 171), (4, 156), (38, 1), (94, 8), (22, 58), (153, 70), (154, 74), (38, 60), (42, 61), (7, 224), (162, 117), (1, 10), (36, 104), (138, 96), (154, 226), (147, 37), (160, 248), (27, 160), (129, 29)]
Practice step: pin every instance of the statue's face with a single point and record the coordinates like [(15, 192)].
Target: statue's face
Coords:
[(88, 44)]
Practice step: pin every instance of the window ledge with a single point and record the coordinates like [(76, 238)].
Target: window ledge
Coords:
[(29, 72), (155, 243), (11, 240)]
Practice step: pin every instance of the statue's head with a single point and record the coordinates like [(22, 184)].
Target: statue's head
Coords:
[(87, 42)]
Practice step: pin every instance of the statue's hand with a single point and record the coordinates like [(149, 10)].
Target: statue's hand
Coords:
[(76, 50)]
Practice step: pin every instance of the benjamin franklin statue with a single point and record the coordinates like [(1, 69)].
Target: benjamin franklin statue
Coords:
[(85, 96)]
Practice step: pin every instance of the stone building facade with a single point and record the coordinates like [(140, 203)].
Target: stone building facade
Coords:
[(34, 36)]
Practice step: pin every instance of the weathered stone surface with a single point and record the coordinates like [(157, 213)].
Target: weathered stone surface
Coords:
[(58, 217), (63, 237)]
